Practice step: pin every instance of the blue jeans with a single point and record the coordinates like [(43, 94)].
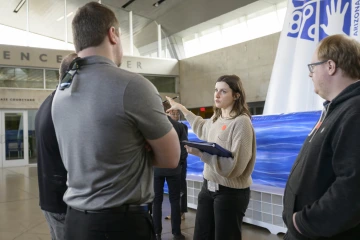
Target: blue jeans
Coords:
[(56, 223), (174, 197)]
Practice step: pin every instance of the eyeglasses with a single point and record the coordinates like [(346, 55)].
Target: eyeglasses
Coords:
[(312, 65)]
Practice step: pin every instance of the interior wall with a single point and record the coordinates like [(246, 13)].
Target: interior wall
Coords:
[(252, 61)]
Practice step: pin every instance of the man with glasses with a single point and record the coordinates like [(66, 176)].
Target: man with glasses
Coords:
[(105, 120), (173, 179), (322, 195), (175, 115)]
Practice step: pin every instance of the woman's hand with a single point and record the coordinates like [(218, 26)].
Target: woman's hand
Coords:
[(194, 151), (174, 105)]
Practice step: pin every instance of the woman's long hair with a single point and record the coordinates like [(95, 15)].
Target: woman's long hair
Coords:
[(240, 106)]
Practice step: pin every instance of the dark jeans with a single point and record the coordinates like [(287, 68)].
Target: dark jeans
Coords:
[(174, 197), (183, 186), (219, 214), (108, 225)]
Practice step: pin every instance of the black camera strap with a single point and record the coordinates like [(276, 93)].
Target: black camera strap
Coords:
[(70, 73)]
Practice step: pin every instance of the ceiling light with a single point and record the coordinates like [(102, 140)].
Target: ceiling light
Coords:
[(128, 3), (158, 3), (21, 3), (60, 18)]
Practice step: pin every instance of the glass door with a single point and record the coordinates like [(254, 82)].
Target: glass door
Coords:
[(14, 138)]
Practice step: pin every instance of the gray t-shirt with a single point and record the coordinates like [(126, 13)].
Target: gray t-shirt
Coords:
[(101, 123)]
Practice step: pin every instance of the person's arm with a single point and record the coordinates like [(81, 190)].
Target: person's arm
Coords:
[(186, 130), (243, 148), (143, 106), (183, 137), (177, 106), (165, 149), (338, 209), (197, 123)]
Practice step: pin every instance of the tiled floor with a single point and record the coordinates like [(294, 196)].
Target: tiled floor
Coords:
[(22, 219)]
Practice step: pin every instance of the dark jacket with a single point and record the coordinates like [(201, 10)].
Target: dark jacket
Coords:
[(52, 174), (184, 153), (183, 135), (324, 183)]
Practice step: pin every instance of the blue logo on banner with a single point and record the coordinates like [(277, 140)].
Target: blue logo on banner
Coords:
[(332, 17)]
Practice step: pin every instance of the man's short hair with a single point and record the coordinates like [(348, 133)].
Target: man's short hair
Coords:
[(91, 24), (65, 64), (344, 51)]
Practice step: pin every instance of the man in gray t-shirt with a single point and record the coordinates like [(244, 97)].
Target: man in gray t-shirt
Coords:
[(104, 118)]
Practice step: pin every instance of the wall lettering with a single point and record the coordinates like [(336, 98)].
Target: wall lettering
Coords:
[(58, 58), (18, 99), (27, 56), (41, 57), (6, 55), (19, 56), (138, 64)]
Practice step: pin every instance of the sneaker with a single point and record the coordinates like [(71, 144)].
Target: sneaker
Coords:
[(178, 237), (158, 236)]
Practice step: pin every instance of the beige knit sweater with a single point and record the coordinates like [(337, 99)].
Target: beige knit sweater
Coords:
[(236, 135)]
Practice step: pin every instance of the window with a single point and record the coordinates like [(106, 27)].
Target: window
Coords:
[(32, 136), (210, 41), (163, 84), (263, 25), (235, 34), (192, 47), (256, 108), (52, 78), (263, 22), (21, 78)]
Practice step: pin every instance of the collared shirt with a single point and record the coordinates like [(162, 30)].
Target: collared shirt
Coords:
[(101, 123)]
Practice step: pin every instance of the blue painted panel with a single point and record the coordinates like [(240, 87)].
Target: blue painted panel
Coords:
[(279, 139)]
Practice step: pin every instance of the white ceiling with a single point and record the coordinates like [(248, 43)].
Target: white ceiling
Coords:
[(174, 15)]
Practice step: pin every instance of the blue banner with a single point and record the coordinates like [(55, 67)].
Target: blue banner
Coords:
[(279, 139)]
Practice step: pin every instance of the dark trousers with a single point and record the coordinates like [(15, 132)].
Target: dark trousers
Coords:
[(108, 225), (174, 197), (220, 214), (183, 186)]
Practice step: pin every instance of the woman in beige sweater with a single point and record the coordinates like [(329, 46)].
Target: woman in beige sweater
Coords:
[(225, 194)]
